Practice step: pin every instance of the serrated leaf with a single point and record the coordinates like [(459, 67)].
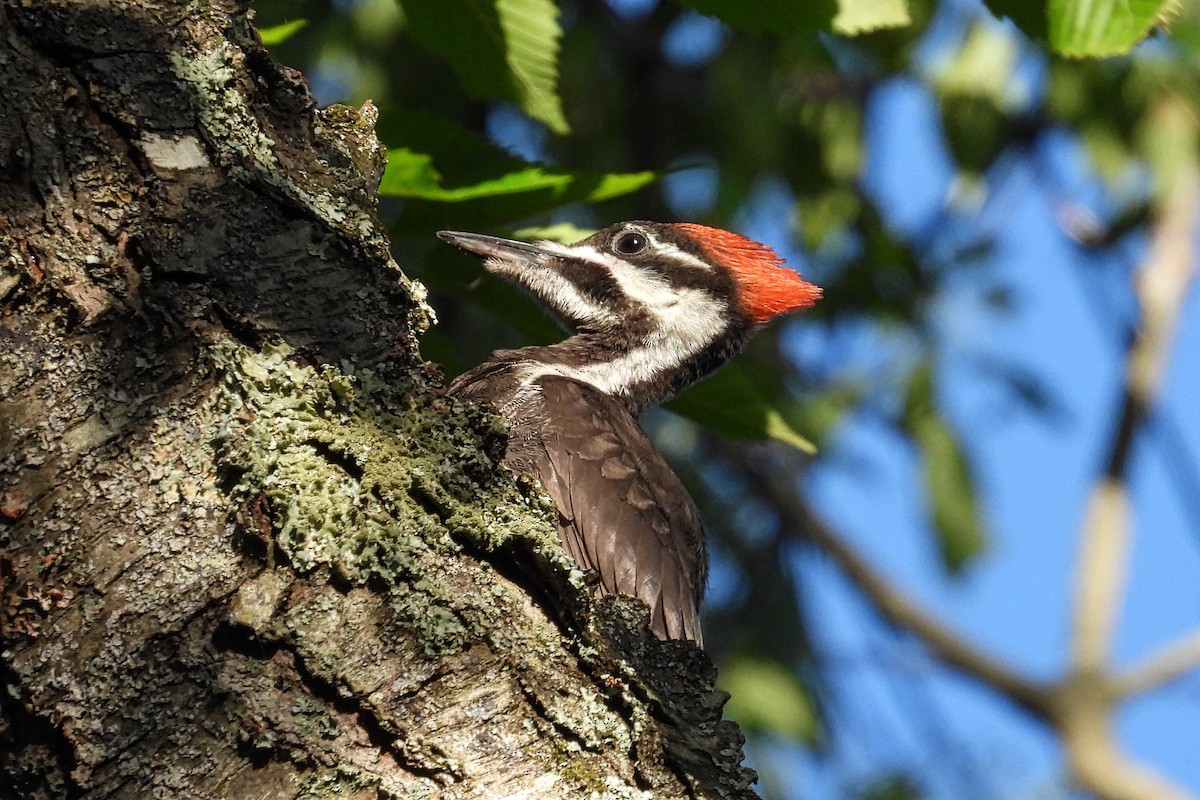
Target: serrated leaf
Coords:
[(451, 177), (856, 17), (278, 34), (731, 404), (1101, 27), (500, 49), (764, 695), (949, 487)]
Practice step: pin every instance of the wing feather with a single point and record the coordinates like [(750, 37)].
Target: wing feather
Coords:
[(622, 511)]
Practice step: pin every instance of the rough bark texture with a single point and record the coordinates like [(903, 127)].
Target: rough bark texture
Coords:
[(247, 548)]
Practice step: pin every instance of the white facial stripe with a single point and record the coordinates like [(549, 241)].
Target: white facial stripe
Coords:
[(582, 251), (554, 290), (686, 320), (680, 256), (642, 287), (690, 326), (668, 249)]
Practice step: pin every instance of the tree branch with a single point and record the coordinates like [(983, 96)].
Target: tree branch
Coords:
[(1088, 694), (1168, 664), (897, 607)]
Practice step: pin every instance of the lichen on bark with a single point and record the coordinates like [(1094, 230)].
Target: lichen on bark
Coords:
[(376, 484)]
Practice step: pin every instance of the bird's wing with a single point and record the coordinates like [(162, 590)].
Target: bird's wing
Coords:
[(622, 511)]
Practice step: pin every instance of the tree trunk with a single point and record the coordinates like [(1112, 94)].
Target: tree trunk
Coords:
[(249, 549)]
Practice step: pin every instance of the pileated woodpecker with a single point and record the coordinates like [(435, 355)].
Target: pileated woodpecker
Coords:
[(652, 308)]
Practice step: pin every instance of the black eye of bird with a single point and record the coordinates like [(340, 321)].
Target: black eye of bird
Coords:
[(630, 244)]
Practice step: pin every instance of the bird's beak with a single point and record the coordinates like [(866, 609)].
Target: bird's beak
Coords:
[(552, 276), (493, 247)]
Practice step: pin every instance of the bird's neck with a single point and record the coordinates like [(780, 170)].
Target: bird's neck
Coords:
[(640, 373)]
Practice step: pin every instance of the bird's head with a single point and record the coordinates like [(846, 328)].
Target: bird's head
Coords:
[(677, 275), (654, 306)]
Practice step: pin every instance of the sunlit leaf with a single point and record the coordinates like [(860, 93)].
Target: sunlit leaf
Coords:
[(731, 404), (500, 49), (982, 66), (847, 17), (949, 486), (432, 163), (856, 17), (766, 696), (412, 174), (278, 34), (564, 232), (1101, 27)]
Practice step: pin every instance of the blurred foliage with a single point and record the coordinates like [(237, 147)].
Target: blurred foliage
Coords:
[(765, 696), (892, 787), (742, 404), (1087, 27), (948, 484), (500, 49), (278, 34), (522, 117)]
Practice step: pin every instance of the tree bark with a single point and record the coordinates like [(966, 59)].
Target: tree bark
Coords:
[(249, 549)]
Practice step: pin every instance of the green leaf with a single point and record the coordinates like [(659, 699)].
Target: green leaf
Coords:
[(500, 49), (410, 174), (732, 404), (982, 67), (1101, 27), (856, 17), (846, 17), (450, 176), (951, 493), (764, 695), (278, 34), (949, 487), (564, 232), (1028, 15)]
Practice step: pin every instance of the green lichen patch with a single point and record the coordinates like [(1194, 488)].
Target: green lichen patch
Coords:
[(375, 483)]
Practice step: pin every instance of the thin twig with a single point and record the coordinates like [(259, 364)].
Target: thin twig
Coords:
[(1161, 286), (1169, 664)]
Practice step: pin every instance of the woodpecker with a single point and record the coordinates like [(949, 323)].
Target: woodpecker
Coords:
[(651, 308)]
